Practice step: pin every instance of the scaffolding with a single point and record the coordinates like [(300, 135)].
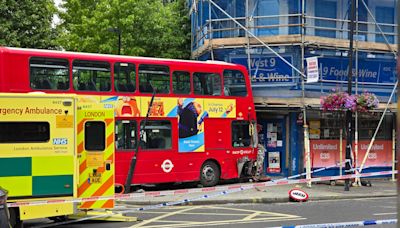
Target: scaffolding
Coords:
[(221, 24)]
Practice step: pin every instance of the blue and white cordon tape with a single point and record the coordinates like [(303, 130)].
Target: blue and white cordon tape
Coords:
[(345, 224)]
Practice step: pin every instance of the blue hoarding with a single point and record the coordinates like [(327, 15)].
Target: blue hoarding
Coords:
[(369, 70), (267, 68)]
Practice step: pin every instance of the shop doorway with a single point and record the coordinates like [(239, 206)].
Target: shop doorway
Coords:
[(274, 140)]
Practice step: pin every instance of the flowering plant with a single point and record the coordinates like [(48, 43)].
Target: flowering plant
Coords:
[(366, 101), (334, 102), (341, 101)]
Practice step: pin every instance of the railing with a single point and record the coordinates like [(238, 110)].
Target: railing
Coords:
[(288, 24)]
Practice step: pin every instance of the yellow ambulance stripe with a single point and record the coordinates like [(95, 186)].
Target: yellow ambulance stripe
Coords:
[(50, 166), (17, 186)]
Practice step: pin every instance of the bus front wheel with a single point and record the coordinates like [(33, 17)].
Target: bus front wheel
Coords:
[(209, 174)]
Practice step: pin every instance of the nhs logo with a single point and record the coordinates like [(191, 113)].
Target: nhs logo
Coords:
[(60, 141)]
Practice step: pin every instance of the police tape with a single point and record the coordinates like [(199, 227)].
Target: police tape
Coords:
[(345, 224), (221, 189)]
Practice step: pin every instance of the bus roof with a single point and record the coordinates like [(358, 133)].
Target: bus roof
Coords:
[(29, 50)]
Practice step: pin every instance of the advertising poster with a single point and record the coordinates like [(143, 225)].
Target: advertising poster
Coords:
[(191, 117), (274, 163), (125, 106), (379, 155), (162, 106), (220, 108), (312, 69), (325, 152)]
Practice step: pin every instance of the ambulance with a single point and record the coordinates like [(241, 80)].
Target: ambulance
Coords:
[(56, 149)]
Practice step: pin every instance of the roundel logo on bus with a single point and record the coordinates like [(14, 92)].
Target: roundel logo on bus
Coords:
[(167, 166)]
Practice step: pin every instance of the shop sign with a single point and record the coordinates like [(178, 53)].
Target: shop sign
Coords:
[(369, 70), (267, 69)]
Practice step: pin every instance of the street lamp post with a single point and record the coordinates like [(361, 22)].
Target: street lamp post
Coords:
[(118, 31), (349, 115)]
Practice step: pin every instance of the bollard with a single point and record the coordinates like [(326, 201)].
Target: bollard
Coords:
[(4, 213)]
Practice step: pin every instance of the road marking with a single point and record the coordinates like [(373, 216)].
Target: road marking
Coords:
[(164, 216), (247, 216), (388, 213), (218, 223)]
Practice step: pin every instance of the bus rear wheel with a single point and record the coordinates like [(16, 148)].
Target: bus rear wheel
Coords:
[(209, 174)]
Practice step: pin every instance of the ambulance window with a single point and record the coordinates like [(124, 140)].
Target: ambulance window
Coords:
[(157, 135), (20, 132), (240, 134), (125, 134), (95, 136), (51, 74)]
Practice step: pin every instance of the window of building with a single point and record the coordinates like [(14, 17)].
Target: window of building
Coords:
[(125, 134), (326, 9), (91, 75), (294, 8), (124, 77), (156, 135), (385, 15), (362, 25), (181, 82), (46, 73), (22, 132), (240, 133), (266, 26), (207, 84), (95, 136), (153, 76), (234, 83)]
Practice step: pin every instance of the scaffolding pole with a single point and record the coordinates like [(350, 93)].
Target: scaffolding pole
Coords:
[(256, 37), (377, 128)]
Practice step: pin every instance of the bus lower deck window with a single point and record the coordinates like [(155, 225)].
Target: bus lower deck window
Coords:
[(157, 135)]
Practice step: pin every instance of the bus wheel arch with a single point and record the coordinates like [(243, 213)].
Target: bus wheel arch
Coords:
[(210, 173)]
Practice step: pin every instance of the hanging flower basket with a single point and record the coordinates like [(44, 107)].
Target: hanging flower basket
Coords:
[(367, 102), (341, 101)]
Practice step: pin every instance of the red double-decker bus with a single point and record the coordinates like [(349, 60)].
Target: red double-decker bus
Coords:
[(201, 124)]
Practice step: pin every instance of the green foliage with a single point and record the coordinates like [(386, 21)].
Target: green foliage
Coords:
[(148, 27), (27, 23)]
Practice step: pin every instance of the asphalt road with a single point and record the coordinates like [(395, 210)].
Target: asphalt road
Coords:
[(255, 215)]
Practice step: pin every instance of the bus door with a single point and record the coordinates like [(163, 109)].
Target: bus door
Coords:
[(157, 161), (95, 142)]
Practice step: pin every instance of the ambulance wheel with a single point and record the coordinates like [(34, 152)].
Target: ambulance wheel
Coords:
[(61, 218), (209, 174), (15, 221)]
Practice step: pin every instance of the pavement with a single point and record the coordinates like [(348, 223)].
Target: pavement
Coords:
[(276, 194)]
